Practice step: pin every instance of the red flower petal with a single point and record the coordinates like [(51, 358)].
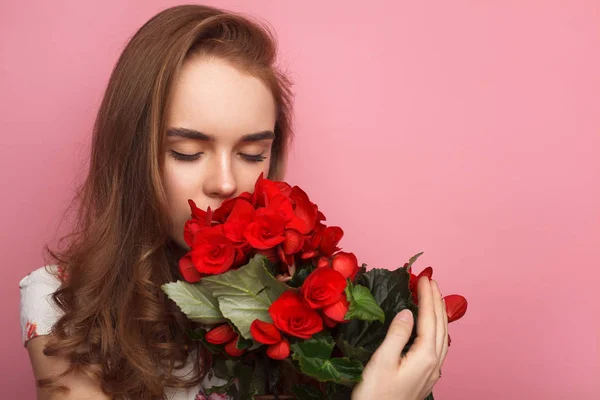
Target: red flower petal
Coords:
[(456, 306), (428, 272), (346, 264), (264, 332), (271, 254), (414, 280), (329, 322), (188, 271), (221, 334), (265, 190), (305, 212), (285, 259), (232, 350), (308, 254), (212, 252), (279, 351), (323, 262), (283, 206), (294, 241), (331, 237), (323, 287), (292, 316), (337, 311), (266, 231)]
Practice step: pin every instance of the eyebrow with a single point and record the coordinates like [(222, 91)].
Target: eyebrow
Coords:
[(197, 135)]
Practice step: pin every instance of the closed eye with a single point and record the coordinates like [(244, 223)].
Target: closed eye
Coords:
[(253, 158), (185, 157)]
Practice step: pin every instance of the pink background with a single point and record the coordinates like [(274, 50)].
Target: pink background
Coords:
[(467, 129)]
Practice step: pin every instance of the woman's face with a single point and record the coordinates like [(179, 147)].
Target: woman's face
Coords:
[(220, 125)]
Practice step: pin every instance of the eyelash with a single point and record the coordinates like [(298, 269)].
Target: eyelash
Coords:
[(193, 157)]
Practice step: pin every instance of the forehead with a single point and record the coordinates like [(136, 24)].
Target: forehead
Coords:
[(212, 96)]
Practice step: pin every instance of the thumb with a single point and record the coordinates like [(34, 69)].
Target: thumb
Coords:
[(396, 338)]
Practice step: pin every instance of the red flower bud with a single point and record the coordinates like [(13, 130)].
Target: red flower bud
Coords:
[(264, 332), (232, 350), (280, 350), (323, 262), (346, 264), (220, 334)]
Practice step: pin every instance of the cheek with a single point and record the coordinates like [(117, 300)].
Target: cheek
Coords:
[(179, 188), (246, 174)]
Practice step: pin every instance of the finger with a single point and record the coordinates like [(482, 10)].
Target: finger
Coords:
[(446, 337), (389, 352), (426, 321), (439, 318)]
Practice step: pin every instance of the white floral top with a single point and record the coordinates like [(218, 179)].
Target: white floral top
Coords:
[(39, 314)]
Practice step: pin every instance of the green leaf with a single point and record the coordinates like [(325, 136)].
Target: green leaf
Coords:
[(246, 294), (195, 300), (196, 334), (362, 304), (313, 356), (358, 339), (317, 347), (307, 392), (354, 353), (244, 343)]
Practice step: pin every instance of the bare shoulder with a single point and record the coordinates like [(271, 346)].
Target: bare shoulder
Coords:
[(80, 385)]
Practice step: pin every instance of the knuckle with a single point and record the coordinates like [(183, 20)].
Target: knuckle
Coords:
[(430, 361)]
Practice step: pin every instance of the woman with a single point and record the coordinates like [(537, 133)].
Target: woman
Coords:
[(195, 109)]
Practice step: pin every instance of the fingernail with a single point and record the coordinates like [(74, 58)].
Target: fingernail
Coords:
[(404, 315)]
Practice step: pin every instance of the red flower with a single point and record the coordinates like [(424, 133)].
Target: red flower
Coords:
[(283, 206), (305, 212), (346, 264), (191, 229), (338, 310), (293, 242), (292, 316), (222, 213), (188, 271), (456, 306), (232, 350), (201, 215), (265, 190), (212, 252), (330, 239), (266, 231), (280, 350), (220, 334), (323, 287), (264, 332), (239, 218)]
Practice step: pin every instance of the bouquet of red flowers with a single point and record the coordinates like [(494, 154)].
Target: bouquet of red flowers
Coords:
[(274, 296)]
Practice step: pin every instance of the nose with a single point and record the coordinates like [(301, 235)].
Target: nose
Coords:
[(220, 183)]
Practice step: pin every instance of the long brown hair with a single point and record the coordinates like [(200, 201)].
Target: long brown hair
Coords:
[(118, 326)]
